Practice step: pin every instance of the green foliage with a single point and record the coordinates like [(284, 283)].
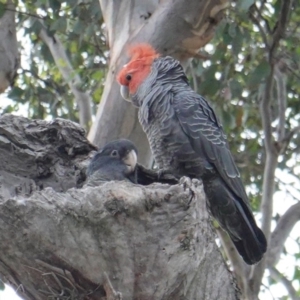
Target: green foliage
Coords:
[(235, 75), (79, 26), (233, 80), (2, 9), (244, 5)]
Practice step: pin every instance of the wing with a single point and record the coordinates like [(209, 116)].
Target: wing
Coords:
[(226, 194), (199, 122)]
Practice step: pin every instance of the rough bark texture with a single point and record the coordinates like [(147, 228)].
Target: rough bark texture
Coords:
[(35, 154), (114, 241), (172, 27), (9, 55)]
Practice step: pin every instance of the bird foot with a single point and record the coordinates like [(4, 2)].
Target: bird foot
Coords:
[(148, 176), (166, 175), (187, 182), (191, 185), (197, 182)]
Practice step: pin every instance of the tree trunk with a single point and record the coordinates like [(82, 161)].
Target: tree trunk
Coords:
[(172, 27), (114, 241), (9, 55)]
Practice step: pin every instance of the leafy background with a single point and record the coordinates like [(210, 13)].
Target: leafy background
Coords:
[(232, 74)]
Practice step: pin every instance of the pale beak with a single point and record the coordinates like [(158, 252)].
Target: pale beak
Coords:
[(130, 160), (125, 93)]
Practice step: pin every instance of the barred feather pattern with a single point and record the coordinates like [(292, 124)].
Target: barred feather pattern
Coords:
[(186, 138)]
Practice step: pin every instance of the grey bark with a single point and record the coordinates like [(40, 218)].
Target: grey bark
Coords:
[(9, 55), (172, 27), (35, 154), (114, 241), (281, 232)]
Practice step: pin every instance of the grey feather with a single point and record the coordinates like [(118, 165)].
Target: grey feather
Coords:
[(186, 137)]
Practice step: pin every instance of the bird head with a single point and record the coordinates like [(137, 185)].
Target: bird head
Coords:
[(136, 70), (121, 150)]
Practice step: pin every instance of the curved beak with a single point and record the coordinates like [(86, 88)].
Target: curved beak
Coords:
[(131, 160), (125, 93)]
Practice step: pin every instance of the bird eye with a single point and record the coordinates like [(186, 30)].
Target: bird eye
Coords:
[(114, 153), (128, 77)]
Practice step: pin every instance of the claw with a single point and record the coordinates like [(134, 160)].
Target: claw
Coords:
[(196, 182), (164, 174), (160, 173), (190, 184), (186, 182)]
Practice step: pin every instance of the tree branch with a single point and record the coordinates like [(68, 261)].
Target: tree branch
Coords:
[(268, 177), (115, 239), (9, 55), (280, 26), (259, 11), (266, 114), (118, 239), (62, 61), (282, 100), (241, 270), (48, 83), (275, 274), (26, 13), (260, 27), (267, 96), (271, 151), (283, 228), (290, 135), (38, 166)]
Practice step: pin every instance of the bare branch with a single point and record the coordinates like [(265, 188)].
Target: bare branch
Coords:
[(271, 151), (48, 83), (282, 100), (267, 96), (265, 110), (281, 25), (9, 55), (275, 274), (26, 13), (241, 270), (262, 30), (284, 226), (271, 156), (290, 135), (62, 61), (259, 11), (268, 178)]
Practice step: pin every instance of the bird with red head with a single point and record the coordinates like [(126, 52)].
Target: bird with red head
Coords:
[(187, 139)]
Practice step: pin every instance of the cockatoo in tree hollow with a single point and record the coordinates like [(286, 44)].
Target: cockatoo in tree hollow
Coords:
[(117, 160), (187, 139)]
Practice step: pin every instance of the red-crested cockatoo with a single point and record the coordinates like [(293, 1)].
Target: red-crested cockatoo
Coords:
[(187, 139)]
